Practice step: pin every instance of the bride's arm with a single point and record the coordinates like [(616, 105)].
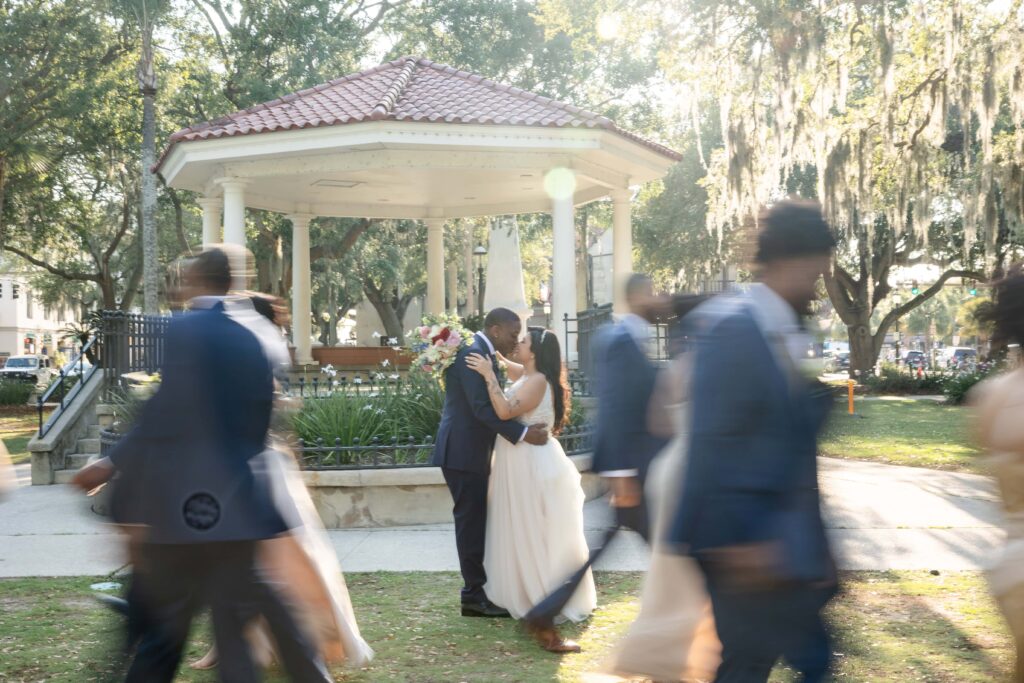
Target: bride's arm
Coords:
[(515, 370), (527, 397)]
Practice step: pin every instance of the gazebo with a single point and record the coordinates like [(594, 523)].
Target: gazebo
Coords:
[(412, 139)]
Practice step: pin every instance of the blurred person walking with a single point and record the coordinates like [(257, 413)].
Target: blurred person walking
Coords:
[(673, 638), (623, 445), (193, 486), (999, 404), (750, 511)]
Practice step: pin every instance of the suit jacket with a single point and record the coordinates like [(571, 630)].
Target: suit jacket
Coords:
[(192, 469), (469, 424), (625, 379), (752, 470)]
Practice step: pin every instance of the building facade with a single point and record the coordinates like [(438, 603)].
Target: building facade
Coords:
[(26, 325)]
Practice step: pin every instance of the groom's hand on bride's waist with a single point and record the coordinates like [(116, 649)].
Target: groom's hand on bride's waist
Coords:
[(536, 434)]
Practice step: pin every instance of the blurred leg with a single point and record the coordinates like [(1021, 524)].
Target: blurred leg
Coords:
[(166, 595)]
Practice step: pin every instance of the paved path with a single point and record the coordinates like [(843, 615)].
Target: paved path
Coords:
[(879, 516)]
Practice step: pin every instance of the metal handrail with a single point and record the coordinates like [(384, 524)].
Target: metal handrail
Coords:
[(66, 396)]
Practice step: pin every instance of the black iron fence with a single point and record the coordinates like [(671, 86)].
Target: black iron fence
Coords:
[(408, 452), (130, 342)]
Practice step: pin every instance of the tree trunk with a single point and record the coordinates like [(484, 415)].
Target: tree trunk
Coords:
[(863, 352), (385, 307), (150, 254)]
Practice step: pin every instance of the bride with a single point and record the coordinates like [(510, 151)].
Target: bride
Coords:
[(535, 506)]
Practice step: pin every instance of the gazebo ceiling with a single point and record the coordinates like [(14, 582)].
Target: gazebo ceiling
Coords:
[(410, 139)]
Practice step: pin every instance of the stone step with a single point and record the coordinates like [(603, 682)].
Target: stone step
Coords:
[(94, 432), (89, 445), (77, 460), (63, 476)]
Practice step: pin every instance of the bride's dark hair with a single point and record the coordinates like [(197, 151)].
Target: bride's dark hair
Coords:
[(548, 356)]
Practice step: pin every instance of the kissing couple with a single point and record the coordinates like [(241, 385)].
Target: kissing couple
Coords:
[(518, 502)]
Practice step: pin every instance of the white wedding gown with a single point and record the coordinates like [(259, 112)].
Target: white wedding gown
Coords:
[(535, 535)]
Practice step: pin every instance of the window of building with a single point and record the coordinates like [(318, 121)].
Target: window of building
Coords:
[(29, 308)]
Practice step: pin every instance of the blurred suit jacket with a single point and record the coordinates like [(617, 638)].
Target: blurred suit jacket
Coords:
[(752, 471), (192, 470), (624, 378)]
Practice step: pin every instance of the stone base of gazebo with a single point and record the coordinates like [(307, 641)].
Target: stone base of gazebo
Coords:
[(349, 499)]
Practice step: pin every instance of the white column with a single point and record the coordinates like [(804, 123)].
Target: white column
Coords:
[(471, 303), (622, 247), (435, 265), (234, 211), (301, 306), (453, 287), (211, 219), (563, 269)]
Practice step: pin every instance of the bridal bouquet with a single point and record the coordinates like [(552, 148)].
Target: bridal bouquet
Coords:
[(436, 343)]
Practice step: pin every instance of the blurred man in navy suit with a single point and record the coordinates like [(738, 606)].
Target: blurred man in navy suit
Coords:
[(750, 510), (625, 376), (191, 481)]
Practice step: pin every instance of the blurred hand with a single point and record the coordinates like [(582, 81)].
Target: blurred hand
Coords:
[(481, 365), (93, 476), (626, 492), (749, 567), (536, 434)]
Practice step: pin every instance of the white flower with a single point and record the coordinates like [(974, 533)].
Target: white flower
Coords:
[(376, 334), (384, 363), (357, 380)]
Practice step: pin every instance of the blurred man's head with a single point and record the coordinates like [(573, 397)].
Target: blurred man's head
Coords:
[(640, 297), (794, 249), (502, 326), (209, 274)]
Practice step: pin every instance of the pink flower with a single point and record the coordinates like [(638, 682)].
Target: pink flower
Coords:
[(454, 341), (428, 368), (425, 331)]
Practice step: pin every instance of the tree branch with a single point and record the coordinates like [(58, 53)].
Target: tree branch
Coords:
[(898, 312), (52, 269)]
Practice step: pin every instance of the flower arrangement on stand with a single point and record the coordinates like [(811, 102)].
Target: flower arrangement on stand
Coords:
[(436, 343)]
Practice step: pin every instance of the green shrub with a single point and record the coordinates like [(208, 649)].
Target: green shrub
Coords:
[(13, 393), (894, 381), (958, 386)]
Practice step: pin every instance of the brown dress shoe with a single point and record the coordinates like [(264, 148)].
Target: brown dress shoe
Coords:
[(549, 638)]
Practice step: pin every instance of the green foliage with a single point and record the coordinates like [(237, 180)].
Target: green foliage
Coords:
[(957, 387), (14, 393), (893, 381), (411, 407)]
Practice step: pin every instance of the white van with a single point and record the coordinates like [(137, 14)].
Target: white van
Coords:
[(27, 368)]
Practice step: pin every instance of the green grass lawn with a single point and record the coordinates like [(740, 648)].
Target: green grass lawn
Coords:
[(920, 433), (17, 425), (889, 626)]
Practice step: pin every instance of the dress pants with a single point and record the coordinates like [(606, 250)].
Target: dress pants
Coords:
[(172, 583), (469, 491), (758, 628)]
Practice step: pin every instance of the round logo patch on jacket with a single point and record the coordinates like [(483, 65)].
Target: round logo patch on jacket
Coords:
[(201, 511)]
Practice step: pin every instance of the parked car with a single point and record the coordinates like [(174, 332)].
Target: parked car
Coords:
[(27, 368), (915, 360), (960, 357)]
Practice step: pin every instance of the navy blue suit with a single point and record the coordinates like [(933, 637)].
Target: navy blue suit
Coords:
[(465, 440), (752, 479), (192, 474), (625, 379)]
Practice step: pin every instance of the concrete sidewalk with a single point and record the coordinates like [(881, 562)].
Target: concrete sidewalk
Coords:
[(879, 517)]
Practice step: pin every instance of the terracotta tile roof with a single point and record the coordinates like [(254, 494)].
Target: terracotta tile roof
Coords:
[(406, 89)]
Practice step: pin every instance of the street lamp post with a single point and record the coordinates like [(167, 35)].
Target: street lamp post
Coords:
[(478, 253)]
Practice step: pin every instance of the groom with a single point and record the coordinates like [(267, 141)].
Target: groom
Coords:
[(465, 440)]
